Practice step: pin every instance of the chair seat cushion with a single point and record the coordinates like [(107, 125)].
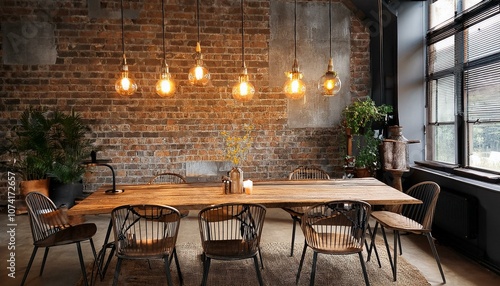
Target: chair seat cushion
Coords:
[(230, 249), (397, 222), (69, 235)]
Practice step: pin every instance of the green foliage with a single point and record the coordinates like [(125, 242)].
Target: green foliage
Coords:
[(71, 147), (368, 152), (237, 147), (49, 144), (30, 152), (358, 115)]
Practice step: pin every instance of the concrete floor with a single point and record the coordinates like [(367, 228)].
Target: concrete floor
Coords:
[(63, 267)]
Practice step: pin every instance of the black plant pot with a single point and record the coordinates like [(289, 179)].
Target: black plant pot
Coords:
[(65, 194)]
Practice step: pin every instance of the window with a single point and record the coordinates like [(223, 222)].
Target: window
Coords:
[(463, 80)]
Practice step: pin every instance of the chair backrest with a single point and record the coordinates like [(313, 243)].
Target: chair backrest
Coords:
[(168, 178), (428, 193), (145, 230), (336, 226), (232, 222), (308, 173), (45, 218)]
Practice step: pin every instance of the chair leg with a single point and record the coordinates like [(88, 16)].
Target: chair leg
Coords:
[(257, 269), (93, 248), (373, 246), (388, 251), (82, 264), (293, 234), (261, 261), (181, 279), (313, 270), (167, 270), (45, 254), (436, 256), (363, 266), (117, 271), (35, 248), (206, 268), (301, 262)]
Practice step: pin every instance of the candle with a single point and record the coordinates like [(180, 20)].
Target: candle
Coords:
[(248, 186)]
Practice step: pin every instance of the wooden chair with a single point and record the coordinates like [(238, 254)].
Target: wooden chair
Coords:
[(302, 173), (146, 232), (170, 178), (231, 232), (415, 218), (335, 228), (50, 227)]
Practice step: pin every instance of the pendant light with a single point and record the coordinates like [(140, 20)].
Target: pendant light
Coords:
[(198, 74), (125, 86), (330, 83), (243, 90), (165, 86), (294, 87)]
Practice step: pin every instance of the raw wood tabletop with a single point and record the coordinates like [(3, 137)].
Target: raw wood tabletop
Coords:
[(195, 196)]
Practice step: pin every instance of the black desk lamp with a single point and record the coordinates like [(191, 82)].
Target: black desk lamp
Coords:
[(103, 162)]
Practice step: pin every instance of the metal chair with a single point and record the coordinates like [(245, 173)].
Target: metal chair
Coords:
[(335, 228), (146, 232), (170, 178), (302, 173), (231, 232), (415, 218), (50, 227)]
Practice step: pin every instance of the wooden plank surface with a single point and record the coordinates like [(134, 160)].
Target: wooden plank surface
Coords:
[(195, 196)]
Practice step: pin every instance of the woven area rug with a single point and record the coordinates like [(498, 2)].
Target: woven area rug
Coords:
[(279, 269)]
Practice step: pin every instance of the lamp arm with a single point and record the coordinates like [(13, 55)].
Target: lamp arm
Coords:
[(113, 190)]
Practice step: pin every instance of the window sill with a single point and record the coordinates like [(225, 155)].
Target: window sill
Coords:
[(462, 172)]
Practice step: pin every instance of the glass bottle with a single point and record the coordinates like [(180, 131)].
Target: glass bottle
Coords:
[(236, 176)]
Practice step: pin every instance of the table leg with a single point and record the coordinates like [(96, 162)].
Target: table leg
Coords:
[(102, 268)]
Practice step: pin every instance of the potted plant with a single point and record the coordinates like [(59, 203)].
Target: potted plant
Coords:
[(357, 119), (71, 145), (29, 152), (367, 159), (359, 115)]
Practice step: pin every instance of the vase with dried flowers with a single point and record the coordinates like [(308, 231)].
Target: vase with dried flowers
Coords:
[(236, 150)]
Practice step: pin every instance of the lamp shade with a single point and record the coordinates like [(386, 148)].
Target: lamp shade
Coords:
[(165, 86), (125, 86), (294, 87), (330, 83), (243, 90)]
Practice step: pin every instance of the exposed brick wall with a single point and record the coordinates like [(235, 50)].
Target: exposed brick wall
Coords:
[(145, 134)]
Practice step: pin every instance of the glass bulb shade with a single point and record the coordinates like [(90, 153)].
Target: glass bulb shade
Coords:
[(165, 87), (125, 86), (294, 87), (243, 90), (199, 75), (329, 84)]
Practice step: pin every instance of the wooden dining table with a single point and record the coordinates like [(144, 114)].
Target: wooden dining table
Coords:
[(272, 194)]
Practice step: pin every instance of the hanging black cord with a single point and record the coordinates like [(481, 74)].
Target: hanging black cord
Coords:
[(198, 18), (381, 47), (330, 17), (123, 37), (242, 37), (163, 29), (295, 28)]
